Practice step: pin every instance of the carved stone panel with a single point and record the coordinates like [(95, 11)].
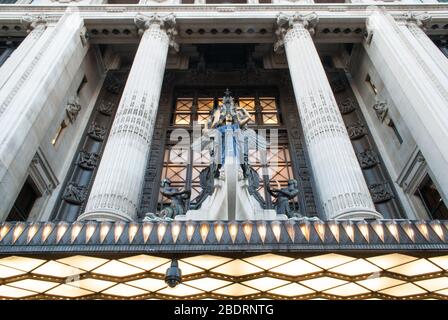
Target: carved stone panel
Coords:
[(97, 132), (106, 107), (74, 193), (347, 106), (380, 192), (88, 160), (367, 159), (356, 130)]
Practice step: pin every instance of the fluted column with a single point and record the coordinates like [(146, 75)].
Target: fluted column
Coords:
[(118, 184), (433, 62), (340, 184), (36, 26), (418, 88), (32, 95)]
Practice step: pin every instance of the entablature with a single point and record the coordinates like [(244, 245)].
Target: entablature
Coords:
[(235, 23)]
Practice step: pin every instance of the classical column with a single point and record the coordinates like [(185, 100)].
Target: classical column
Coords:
[(340, 184), (417, 88), (432, 60), (118, 184), (35, 26), (32, 96)]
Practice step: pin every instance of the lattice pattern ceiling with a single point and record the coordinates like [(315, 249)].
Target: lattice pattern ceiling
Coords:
[(271, 276)]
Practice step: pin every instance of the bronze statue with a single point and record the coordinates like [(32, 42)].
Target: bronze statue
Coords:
[(178, 199), (283, 196)]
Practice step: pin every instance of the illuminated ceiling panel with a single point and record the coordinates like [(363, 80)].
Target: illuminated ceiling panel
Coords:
[(330, 260), (407, 289), (296, 268), (21, 263), (265, 283), (391, 260), (349, 289), (379, 283), (117, 269), (124, 290), (206, 262), (356, 268), (149, 284), (323, 283), (180, 290), (236, 290), (187, 269), (208, 284), (56, 269), (237, 268), (83, 262), (416, 268), (145, 262), (268, 261), (68, 291), (291, 290), (34, 285)]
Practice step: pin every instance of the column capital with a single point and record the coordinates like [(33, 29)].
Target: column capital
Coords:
[(286, 22), (166, 23), (32, 21), (422, 20)]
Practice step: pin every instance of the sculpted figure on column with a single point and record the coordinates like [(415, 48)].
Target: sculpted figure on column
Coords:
[(118, 184), (340, 184)]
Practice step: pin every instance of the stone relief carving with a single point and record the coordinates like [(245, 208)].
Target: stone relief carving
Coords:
[(88, 160), (74, 193), (356, 130), (73, 108), (347, 106), (380, 192), (97, 132), (422, 20), (381, 110), (338, 85), (106, 107), (367, 159)]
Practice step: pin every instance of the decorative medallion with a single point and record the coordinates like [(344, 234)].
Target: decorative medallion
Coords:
[(356, 130), (380, 192), (97, 132), (74, 193), (347, 106), (87, 160)]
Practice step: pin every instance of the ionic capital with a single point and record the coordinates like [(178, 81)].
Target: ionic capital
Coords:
[(166, 23), (422, 20), (32, 21), (286, 22)]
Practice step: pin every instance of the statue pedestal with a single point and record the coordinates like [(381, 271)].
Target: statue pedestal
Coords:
[(231, 200)]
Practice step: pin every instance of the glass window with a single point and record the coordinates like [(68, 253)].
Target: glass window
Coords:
[(24, 203), (183, 167)]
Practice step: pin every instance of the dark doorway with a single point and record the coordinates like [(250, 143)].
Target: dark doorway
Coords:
[(24, 203)]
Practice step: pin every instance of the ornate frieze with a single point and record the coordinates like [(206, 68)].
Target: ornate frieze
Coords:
[(74, 193), (97, 132), (88, 160), (367, 159), (380, 192), (347, 106), (356, 130)]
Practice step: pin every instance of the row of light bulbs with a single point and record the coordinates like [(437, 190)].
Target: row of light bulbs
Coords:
[(219, 227)]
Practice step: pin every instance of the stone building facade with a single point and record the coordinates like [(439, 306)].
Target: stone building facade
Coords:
[(100, 100)]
